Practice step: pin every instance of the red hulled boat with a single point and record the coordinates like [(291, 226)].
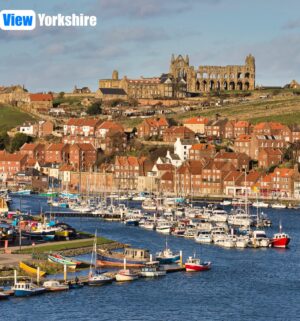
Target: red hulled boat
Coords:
[(194, 265), (280, 239)]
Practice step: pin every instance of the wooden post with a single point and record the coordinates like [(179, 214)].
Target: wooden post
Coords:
[(180, 260), (38, 276), (65, 272), (15, 276)]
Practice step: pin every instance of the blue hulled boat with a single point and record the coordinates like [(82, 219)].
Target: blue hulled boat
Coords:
[(22, 289)]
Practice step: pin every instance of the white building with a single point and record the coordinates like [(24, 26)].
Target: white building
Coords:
[(182, 147)]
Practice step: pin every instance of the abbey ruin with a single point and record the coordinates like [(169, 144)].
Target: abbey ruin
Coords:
[(182, 81)]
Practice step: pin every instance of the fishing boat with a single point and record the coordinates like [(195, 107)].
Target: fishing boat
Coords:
[(194, 265), (95, 276), (57, 258), (125, 274), (23, 288), (55, 286), (31, 270), (260, 237), (134, 257), (151, 269), (167, 256), (280, 239)]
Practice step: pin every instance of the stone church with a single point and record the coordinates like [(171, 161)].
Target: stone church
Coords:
[(182, 81)]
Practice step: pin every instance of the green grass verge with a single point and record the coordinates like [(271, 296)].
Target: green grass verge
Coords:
[(64, 245), (11, 117)]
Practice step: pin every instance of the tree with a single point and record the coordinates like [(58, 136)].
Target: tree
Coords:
[(4, 141), (61, 94), (94, 109), (18, 141)]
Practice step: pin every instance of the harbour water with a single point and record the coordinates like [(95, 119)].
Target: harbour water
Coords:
[(249, 284)]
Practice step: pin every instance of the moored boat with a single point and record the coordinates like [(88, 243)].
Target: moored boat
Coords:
[(57, 258), (55, 286), (280, 240), (31, 270), (167, 256), (125, 274), (194, 265), (134, 257), (151, 269), (22, 289)]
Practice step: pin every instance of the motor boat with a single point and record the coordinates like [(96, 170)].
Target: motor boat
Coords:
[(55, 286), (194, 265), (203, 237), (151, 269)]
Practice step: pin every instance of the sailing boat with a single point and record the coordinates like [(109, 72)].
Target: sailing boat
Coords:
[(96, 277)]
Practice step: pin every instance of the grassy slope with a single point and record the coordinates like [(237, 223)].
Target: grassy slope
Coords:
[(47, 247), (285, 110), (11, 117)]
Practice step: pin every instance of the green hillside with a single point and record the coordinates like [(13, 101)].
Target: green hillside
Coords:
[(11, 117)]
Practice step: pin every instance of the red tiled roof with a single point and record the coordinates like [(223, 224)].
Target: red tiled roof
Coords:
[(201, 146), (196, 120), (41, 97), (91, 122), (111, 125), (30, 146), (56, 147), (6, 157), (241, 124)]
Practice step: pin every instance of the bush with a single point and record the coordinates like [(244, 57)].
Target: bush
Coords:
[(94, 109), (18, 141)]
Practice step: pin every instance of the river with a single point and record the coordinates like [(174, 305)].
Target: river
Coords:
[(248, 284)]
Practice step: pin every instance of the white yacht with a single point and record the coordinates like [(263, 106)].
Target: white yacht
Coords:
[(203, 237)]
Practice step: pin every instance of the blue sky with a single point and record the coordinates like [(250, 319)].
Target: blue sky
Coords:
[(137, 37)]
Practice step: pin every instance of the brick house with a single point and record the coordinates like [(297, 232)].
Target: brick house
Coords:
[(268, 157), (196, 124), (265, 141), (268, 128), (82, 156), (295, 133), (41, 101), (108, 127), (34, 151), (57, 153), (81, 127), (152, 127), (45, 128), (242, 144), (213, 174), (240, 161), (229, 130), (241, 127), (280, 183), (167, 182), (127, 169), (216, 128), (231, 181), (171, 134), (202, 150), (10, 164), (188, 178), (32, 178)]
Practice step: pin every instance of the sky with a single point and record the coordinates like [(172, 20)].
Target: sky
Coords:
[(138, 37)]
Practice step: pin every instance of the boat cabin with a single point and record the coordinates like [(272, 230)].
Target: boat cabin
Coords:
[(136, 253), (22, 286)]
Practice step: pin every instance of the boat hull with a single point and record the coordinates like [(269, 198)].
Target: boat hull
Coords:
[(110, 260), (152, 274), (24, 293), (190, 267), (30, 270), (168, 260), (126, 277), (280, 243)]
